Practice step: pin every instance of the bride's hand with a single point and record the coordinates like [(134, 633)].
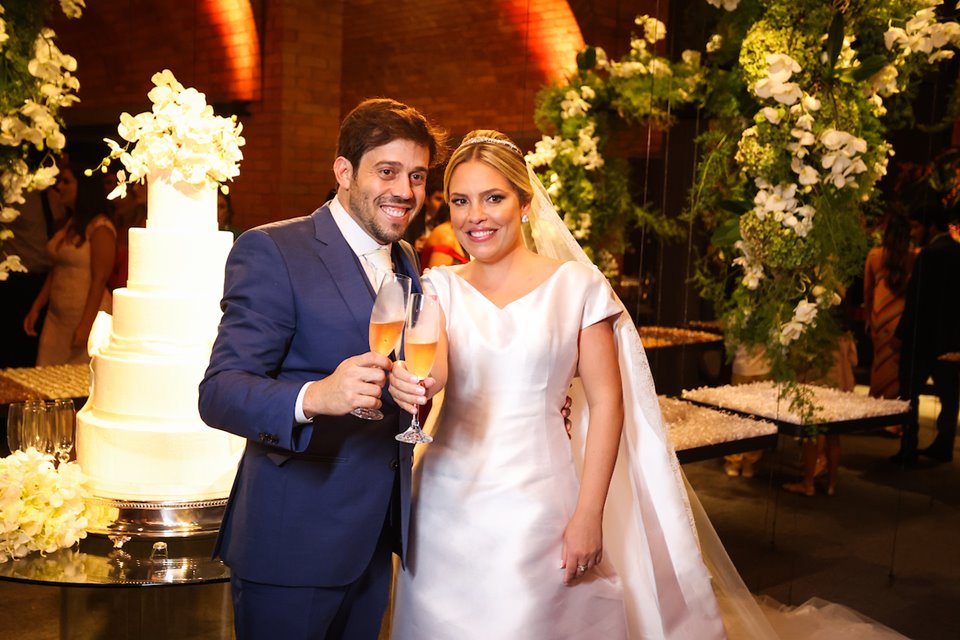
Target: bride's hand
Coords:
[(582, 545), (406, 391)]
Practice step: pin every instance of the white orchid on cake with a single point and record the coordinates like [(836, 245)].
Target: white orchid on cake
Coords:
[(181, 136)]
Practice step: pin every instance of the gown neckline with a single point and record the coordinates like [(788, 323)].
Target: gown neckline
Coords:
[(515, 300)]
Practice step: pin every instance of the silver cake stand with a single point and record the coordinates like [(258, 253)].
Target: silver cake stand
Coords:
[(121, 520)]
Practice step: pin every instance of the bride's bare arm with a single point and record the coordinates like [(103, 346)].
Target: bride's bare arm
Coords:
[(600, 374), (405, 389)]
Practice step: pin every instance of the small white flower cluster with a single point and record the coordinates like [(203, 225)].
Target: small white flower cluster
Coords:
[(728, 5), (715, 43), (842, 157), (584, 153), (644, 61), (653, 30), (752, 268), (180, 135), (73, 8), (607, 263), (4, 36), (804, 314), (780, 203), (579, 225), (923, 33), (777, 84), (576, 103), (41, 506)]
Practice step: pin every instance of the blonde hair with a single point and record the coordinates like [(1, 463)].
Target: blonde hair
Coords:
[(498, 151)]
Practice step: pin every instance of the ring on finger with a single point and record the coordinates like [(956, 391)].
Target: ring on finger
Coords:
[(581, 568)]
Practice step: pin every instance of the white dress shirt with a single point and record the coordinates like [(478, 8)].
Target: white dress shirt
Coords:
[(361, 243)]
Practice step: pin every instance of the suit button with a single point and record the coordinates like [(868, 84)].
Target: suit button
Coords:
[(394, 465)]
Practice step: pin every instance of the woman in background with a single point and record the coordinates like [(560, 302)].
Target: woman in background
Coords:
[(83, 253), (885, 278), (441, 248)]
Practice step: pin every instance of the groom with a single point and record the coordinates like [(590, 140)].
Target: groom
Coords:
[(321, 497)]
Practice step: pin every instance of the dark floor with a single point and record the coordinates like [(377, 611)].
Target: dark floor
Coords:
[(886, 545)]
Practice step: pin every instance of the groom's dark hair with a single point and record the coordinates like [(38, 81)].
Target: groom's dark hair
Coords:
[(379, 121)]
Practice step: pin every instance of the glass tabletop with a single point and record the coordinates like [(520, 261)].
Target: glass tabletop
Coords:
[(140, 562)]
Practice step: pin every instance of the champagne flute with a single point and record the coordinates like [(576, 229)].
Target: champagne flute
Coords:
[(64, 416), (386, 323), (33, 428), (16, 414), (420, 336)]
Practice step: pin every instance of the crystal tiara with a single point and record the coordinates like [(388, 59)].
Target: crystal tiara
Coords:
[(502, 143)]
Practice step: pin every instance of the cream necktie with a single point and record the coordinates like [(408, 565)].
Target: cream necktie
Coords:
[(379, 263)]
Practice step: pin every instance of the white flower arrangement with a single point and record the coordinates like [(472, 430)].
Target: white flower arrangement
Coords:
[(180, 135), (924, 34), (42, 507), (32, 123)]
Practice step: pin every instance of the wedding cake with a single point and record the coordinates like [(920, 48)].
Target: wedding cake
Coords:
[(140, 436)]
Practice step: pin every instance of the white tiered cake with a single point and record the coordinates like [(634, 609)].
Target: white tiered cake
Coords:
[(140, 436)]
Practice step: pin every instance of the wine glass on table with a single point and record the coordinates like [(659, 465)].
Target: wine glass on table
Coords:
[(420, 337), (34, 427), (386, 323), (17, 412), (63, 419)]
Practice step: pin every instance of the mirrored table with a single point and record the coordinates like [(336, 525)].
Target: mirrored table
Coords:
[(149, 588)]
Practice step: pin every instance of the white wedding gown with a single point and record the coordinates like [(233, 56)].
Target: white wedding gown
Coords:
[(495, 490)]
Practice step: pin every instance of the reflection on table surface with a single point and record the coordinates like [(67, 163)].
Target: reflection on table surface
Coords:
[(138, 563)]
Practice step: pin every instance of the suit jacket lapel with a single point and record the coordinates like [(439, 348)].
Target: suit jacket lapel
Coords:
[(344, 268), (405, 267)]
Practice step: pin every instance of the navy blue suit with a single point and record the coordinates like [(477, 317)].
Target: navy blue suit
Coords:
[(310, 503)]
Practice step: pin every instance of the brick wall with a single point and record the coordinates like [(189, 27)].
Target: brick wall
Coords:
[(465, 63)]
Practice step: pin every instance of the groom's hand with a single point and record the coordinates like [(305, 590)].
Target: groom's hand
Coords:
[(356, 383)]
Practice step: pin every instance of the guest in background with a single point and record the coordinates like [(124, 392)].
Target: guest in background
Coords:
[(225, 214), (886, 273), (128, 212), (423, 223), (823, 451), (31, 231), (82, 253), (441, 247), (930, 327), (750, 364)]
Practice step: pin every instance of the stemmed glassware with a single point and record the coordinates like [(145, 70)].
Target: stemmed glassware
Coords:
[(16, 414), (420, 336), (47, 426), (386, 323), (61, 419)]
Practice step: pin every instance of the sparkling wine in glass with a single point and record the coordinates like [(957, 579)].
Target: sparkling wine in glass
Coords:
[(386, 323), (420, 336)]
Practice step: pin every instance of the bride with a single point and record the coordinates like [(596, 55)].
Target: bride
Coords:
[(514, 532)]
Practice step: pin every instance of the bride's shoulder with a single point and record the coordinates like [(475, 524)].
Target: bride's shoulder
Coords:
[(586, 273)]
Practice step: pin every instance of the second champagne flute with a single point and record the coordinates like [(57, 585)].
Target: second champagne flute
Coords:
[(386, 323), (420, 336)]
